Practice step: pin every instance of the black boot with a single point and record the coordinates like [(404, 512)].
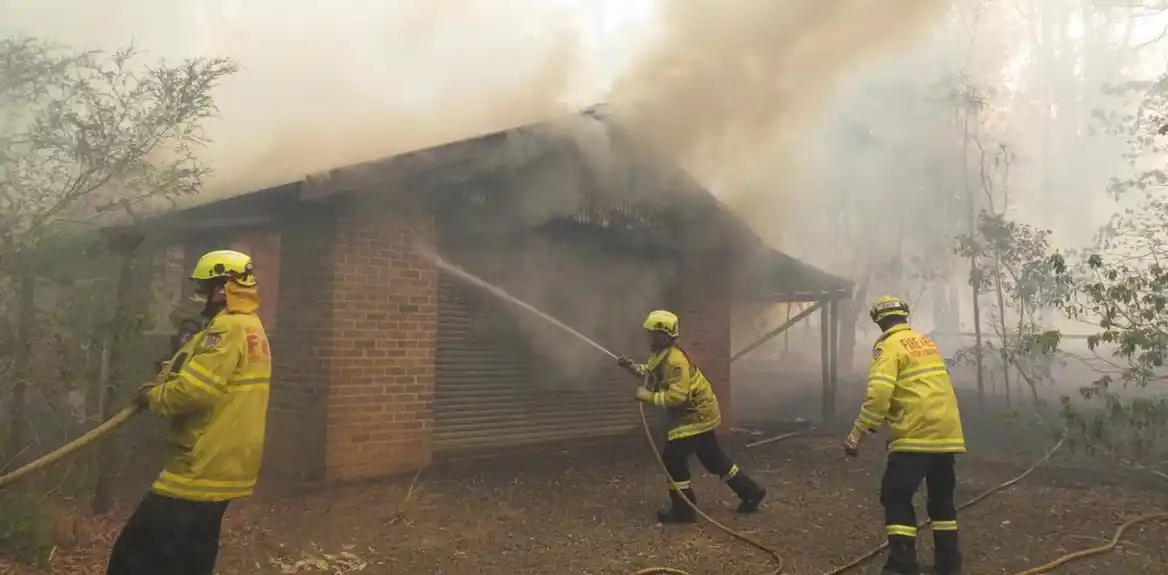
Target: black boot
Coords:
[(750, 494), (902, 556), (679, 511), (947, 553)]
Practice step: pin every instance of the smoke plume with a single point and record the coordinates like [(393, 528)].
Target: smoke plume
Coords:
[(728, 88)]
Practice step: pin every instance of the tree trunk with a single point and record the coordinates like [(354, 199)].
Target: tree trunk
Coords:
[(1030, 373), (787, 334), (119, 335), (18, 424), (97, 364), (1005, 342), (973, 262), (850, 314)]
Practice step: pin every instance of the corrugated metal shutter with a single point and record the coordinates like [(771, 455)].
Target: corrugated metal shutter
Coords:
[(487, 393), (480, 392)]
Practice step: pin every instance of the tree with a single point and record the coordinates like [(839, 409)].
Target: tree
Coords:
[(970, 101), (1122, 288), (86, 132), (1126, 415), (84, 135), (886, 211), (1013, 262)]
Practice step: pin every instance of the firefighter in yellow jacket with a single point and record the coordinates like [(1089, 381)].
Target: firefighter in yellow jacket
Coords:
[(673, 382), (214, 391), (909, 388)]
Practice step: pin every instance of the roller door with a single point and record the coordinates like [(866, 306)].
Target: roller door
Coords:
[(490, 392)]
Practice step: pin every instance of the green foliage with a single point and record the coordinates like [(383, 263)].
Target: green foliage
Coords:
[(1015, 255), (1139, 124), (1012, 259), (25, 526), (1128, 303), (1128, 429), (84, 137), (1124, 412), (1122, 288), (85, 132)]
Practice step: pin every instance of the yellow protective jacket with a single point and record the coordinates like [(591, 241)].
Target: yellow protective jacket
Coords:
[(217, 402), (679, 386), (909, 388)]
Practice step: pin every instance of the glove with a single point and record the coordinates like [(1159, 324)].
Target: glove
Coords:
[(140, 398), (163, 372), (644, 394), (852, 443)]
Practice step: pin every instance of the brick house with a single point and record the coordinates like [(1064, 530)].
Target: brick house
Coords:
[(384, 363)]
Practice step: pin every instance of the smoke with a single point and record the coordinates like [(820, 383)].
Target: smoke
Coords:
[(460, 69), (600, 293), (729, 88), (323, 87), (726, 89)]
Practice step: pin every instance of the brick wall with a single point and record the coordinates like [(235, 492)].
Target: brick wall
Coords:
[(295, 449), (705, 320), (380, 354), (353, 313), (265, 249)]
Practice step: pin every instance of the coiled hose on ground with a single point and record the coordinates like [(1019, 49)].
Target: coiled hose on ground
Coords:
[(128, 412)]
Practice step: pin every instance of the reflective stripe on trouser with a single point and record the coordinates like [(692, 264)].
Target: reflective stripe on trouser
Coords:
[(902, 478), (901, 530), (730, 474)]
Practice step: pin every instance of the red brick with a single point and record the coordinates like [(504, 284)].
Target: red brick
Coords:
[(381, 351)]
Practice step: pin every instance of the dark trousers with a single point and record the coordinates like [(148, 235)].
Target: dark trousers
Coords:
[(169, 536), (902, 478), (705, 446)]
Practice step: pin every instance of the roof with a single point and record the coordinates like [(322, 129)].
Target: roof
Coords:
[(767, 275), (618, 188)]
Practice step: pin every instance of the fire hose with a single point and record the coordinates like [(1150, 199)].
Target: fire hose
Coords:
[(109, 426), (128, 412), (861, 560), (433, 256), (119, 419)]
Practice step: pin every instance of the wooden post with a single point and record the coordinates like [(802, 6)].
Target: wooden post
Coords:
[(774, 332), (834, 346), (826, 404)]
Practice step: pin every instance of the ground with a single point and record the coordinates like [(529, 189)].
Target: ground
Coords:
[(588, 510)]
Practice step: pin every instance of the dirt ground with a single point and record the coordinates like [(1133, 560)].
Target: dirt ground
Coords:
[(588, 510)]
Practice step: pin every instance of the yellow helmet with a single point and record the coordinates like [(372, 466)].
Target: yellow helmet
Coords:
[(888, 306), (664, 322), (229, 264)]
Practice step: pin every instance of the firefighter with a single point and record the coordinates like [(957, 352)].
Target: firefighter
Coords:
[(909, 388), (673, 382), (214, 391)]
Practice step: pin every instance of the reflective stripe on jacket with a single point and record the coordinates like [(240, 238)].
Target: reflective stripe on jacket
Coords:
[(909, 388), (217, 402), (679, 386)]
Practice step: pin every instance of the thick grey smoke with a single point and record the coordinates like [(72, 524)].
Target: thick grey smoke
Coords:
[(324, 86), (729, 88)]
